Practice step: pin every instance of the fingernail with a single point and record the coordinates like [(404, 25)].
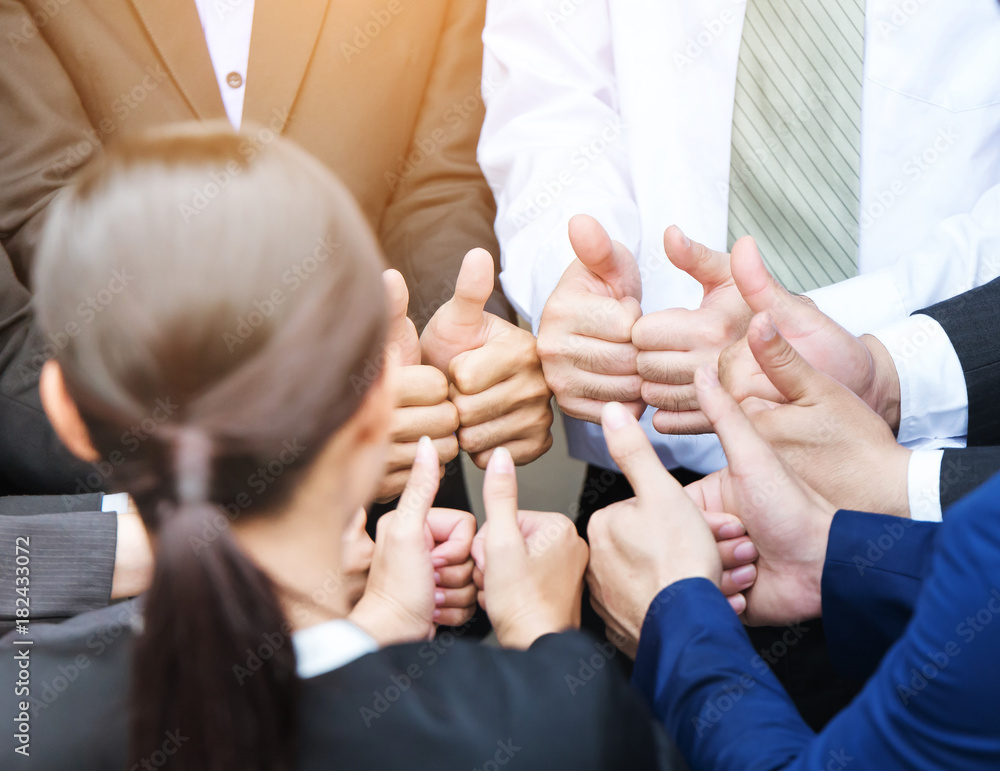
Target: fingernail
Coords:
[(437, 577), (614, 416), (732, 530), (745, 552), (437, 613), (684, 239), (501, 461), (425, 451), (767, 329), (438, 598), (744, 575), (440, 562)]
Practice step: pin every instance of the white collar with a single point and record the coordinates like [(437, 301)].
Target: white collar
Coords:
[(328, 646)]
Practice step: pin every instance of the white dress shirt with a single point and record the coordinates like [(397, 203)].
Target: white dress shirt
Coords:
[(622, 109), (227, 25), (329, 646)]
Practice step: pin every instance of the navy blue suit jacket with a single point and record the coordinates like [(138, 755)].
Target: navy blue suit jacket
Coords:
[(917, 606)]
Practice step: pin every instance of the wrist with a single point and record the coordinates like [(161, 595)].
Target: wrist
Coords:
[(385, 623), (882, 394), (521, 633), (133, 556)]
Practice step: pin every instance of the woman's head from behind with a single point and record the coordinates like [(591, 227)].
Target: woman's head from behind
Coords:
[(224, 313)]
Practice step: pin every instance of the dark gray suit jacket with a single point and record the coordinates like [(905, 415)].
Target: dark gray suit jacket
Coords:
[(972, 323)]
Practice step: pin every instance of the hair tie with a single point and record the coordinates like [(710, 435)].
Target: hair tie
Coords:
[(192, 464)]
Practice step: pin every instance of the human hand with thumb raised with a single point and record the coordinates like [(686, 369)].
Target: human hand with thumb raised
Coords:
[(495, 379), (823, 431), (585, 332), (673, 343), (420, 394), (862, 364), (529, 564)]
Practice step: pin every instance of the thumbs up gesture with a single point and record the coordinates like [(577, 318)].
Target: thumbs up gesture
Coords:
[(495, 379), (861, 364), (673, 343), (585, 332), (420, 396), (823, 431), (529, 564)]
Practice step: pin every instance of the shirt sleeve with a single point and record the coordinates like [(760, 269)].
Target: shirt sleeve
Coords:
[(961, 254), (933, 399), (923, 485), (553, 142)]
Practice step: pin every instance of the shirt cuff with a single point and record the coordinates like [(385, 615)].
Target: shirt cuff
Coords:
[(117, 503), (933, 398), (862, 303), (923, 485)]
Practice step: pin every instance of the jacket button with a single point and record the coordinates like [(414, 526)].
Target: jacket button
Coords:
[(234, 79)]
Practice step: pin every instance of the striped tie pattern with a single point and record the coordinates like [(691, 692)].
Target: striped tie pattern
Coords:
[(794, 178)]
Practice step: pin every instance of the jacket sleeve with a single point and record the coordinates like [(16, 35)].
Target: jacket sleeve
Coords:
[(441, 206), (972, 324), (47, 136), (875, 568), (930, 704), (67, 550), (32, 459)]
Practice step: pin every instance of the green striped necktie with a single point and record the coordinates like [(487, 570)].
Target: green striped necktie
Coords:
[(797, 138)]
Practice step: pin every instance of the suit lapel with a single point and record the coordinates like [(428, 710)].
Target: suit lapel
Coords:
[(280, 49), (176, 32)]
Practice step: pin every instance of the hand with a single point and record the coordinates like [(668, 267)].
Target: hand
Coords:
[(863, 365), (585, 333), (787, 520), (824, 432), (398, 604), (673, 343), (529, 564), (643, 545), (496, 380), (133, 555), (454, 590), (420, 396), (357, 549)]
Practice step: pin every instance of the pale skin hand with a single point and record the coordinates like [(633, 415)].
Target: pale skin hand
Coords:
[(530, 563), (133, 556), (420, 392), (831, 438), (643, 545), (495, 378), (585, 332), (788, 521), (863, 365), (673, 343)]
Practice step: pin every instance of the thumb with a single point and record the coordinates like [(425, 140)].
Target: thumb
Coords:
[(791, 374), (421, 487), (472, 289), (500, 501), (631, 450), (402, 335), (608, 260), (706, 266), (760, 290)]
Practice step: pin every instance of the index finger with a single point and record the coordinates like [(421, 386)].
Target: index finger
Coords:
[(631, 450)]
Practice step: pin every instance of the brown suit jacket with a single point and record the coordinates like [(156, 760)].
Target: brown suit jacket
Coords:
[(385, 92)]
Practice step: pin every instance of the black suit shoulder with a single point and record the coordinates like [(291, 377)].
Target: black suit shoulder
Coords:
[(450, 704), (436, 705)]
